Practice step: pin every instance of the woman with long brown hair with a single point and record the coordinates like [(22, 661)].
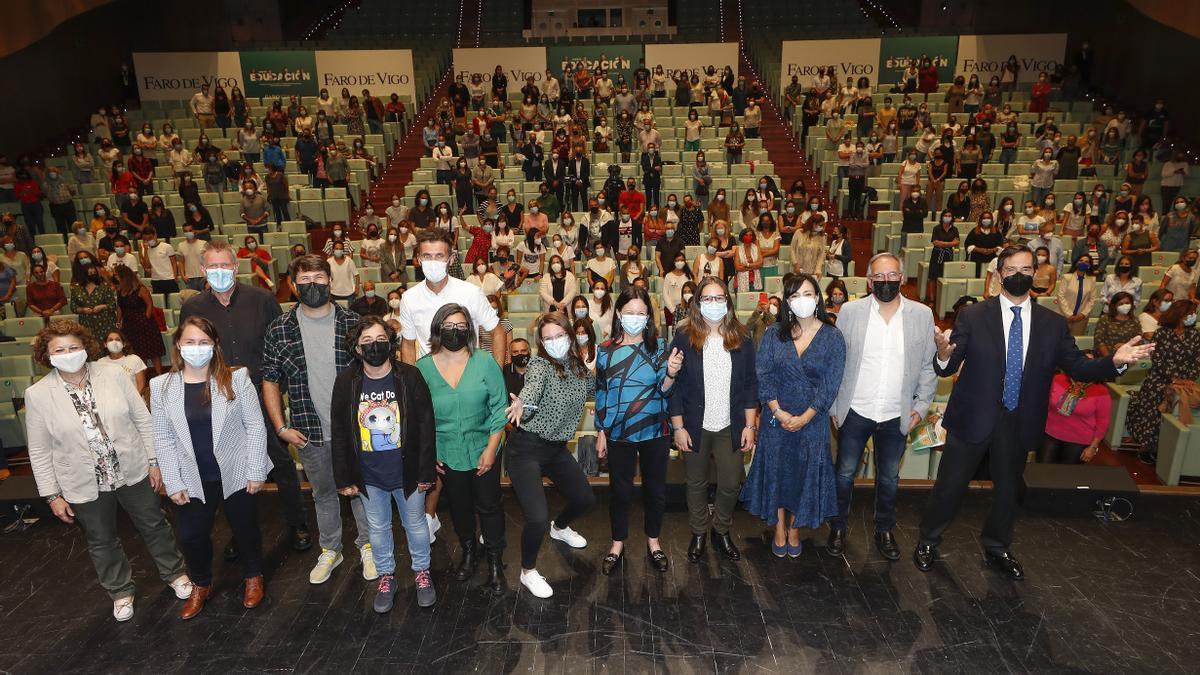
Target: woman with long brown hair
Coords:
[(137, 318), (714, 411), (546, 415), (212, 447)]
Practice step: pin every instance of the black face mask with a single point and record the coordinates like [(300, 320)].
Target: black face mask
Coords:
[(313, 295), (1017, 285), (520, 360), (375, 353), (885, 291), (454, 339), (1123, 269)]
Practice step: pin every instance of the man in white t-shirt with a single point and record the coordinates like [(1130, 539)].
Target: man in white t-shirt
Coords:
[(159, 257), (434, 252), (191, 252)]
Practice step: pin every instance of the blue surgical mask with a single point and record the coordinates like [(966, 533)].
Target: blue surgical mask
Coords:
[(219, 279), (196, 356)]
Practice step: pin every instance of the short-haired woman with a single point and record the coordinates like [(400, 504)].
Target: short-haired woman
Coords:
[(212, 444), (714, 411), (384, 448), (469, 400), (91, 446), (634, 376), (547, 413)]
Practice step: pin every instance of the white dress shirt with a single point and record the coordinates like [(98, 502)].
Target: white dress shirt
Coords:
[(419, 304), (1006, 317), (881, 371)]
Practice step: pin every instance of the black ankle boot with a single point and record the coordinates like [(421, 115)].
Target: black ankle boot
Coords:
[(466, 569), (495, 580)]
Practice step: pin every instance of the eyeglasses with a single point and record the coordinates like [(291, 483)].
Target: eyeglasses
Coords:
[(886, 276), (712, 298), (455, 326)]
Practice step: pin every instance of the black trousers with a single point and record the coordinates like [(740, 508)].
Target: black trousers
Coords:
[(528, 458), (283, 472), (960, 459), (474, 496), (64, 215), (578, 198), (623, 460), (1055, 451), (195, 521)]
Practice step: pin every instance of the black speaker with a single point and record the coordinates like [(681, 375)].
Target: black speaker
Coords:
[(1076, 489)]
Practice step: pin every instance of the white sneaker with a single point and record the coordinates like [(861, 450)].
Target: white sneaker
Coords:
[(434, 524), (123, 608), (368, 563), (182, 587), (326, 563), (567, 536), (536, 584)]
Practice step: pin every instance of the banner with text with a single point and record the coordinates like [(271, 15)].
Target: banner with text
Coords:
[(173, 76), (278, 74), (896, 52), (618, 60), (985, 55), (383, 71), (691, 57), (849, 59), (516, 62)]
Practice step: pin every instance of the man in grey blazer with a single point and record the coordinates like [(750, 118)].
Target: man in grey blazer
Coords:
[(888, 385)]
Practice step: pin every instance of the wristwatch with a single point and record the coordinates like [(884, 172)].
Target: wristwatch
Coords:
[(51, 498), (153, 461), (674, 428), (280, 430)]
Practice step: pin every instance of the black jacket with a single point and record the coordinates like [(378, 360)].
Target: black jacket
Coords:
[(652, 169), (688, 393), (584, 173), (418, 440), (978, 338)]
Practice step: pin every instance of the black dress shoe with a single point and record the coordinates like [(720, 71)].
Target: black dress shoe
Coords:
[(659, 560), (725, 545), (466, 568), (495, 582), (1005, 563), (886, 543), (1148, 458), (696, 548), (301, 539), (924, 557), (836, 545), (231, 551), (610, 562)]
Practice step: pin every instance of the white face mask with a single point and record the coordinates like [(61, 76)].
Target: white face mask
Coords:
[(714, 311), (435, 270), (196, 356), (599, 293), (1042, 259), (70, 362), (394, 303), (558, 347), (581, 338), (556, 268), (115, 346), (803, 306), (1124, 309)]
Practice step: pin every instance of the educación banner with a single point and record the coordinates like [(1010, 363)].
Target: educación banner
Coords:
[(618, 60), (279, 74), (895, 53), (691, 58)]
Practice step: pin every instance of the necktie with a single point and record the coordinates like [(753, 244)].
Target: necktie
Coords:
[(1079, 295), (1012, 362)]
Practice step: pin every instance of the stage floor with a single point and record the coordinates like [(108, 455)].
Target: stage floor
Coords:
[(1100, 598)]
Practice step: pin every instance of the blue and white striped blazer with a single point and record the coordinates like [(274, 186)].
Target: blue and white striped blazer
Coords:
[(239, 436)]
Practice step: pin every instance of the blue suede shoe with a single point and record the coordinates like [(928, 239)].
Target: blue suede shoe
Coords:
[(795, 551), (779, 551)]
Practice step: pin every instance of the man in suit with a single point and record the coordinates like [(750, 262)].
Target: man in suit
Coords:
[(886, 389), (556, 176), (652, 174), (1012, 347), (579, 179)]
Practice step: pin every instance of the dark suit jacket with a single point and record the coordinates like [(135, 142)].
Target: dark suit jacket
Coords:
[(555, 176), (583, 173), (979, 341), (652, 171), (687, 397)]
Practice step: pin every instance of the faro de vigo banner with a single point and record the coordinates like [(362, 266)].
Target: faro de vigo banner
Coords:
[(383, 71), (985, 55), (516, 62), (174, 76), (690, 58), (850, 58)]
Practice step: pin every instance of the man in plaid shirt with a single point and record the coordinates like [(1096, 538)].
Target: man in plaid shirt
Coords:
[(315, 327)]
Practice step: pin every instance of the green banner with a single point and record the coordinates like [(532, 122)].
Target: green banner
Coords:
[(618, 60), (279, 74), (895, 53)]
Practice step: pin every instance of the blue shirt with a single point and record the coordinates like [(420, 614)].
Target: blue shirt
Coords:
[(379, 434), (273, 156), (630, 404)]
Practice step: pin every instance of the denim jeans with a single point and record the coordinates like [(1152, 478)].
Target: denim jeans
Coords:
[(889, 449), (378, 505), (318, 467), (1039, 194)]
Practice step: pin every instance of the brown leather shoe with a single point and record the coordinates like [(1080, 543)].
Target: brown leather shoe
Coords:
[(195, 602), (254, 592)]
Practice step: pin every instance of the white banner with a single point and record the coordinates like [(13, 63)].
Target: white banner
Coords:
[(985, 55), (850, 58), (517, 63), (383, 71), (173, 76), (691, 57)]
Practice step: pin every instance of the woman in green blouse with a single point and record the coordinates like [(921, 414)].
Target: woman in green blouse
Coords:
[(469, 399), (92, 296)]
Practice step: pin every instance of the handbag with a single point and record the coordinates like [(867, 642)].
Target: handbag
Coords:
[(585, 454), (1185, 394)]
